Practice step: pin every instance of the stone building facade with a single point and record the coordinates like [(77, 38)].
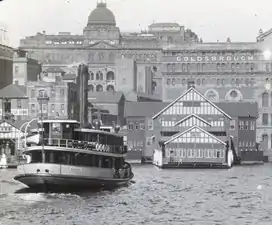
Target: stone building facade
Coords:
[(165, 56)]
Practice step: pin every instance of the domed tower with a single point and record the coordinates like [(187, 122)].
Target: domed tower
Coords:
[(101, 26)]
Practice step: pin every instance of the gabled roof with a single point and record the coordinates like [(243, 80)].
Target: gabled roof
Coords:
[(145, 109), (239, 109), (18, 124), (105, 97), (13, 91), (188, 130), (193, 115), (185, 93)]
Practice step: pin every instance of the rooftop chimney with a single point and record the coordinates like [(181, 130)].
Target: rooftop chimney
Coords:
[(190, 84)]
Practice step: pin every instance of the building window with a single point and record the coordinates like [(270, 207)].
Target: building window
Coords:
[(232, 124), (33, 93), (44, 108), (252, 125), (99, 75), (265, 119), (61, 92), (130, 126), (33, 108), (19, 104), (16, 70), (137, 126), (265, 141), (150, 124), (53, 108), (241, 125), (142, 126), (53, 93), (265, 99), (62, 108), (246, 125)]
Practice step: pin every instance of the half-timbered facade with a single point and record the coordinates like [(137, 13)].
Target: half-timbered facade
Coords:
[(192, 131), (9, 134)]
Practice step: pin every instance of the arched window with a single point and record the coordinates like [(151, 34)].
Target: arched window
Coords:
[(91, 75), (154, 85), (91, 88), (265, 99), (99, 88), (170, 40), (99, 75), (110, 76), (265, 141), (110, 88)]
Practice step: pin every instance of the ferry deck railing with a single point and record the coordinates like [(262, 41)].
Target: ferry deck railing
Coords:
[(94, 146)]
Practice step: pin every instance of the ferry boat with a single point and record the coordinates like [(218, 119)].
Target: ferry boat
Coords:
[(65, 156)]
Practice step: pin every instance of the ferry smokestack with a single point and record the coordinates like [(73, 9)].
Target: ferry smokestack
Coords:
[(82, 84)]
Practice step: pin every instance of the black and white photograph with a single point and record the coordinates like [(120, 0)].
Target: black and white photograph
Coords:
[(133, 112)]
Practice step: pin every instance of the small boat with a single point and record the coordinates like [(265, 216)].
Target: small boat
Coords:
[(68, 157)]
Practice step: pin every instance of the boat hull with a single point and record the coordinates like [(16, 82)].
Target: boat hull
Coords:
[(57, 176), (47, 182)]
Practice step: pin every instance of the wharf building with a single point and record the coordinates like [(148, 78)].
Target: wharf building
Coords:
[(158, 62), (156, 125)]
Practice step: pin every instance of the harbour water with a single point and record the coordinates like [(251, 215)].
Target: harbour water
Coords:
[(241, 195)]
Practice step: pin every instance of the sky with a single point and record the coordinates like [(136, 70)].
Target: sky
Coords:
[(212, 20)]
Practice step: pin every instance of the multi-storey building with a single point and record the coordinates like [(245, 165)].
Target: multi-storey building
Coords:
[(143, 133), (6, 54), (14, 102), (52, 100), (165, 57), (24, 68)]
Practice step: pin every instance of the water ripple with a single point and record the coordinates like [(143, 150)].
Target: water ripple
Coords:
[(242, 195)]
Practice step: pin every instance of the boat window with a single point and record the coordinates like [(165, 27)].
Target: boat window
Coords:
[(105, 162), (36, 156), (45, 126), (56, 129), (67, 130)]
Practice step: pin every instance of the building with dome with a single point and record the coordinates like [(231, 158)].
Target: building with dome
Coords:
[(161, 60)]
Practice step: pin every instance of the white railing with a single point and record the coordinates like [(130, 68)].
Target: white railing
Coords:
[(94, 146)]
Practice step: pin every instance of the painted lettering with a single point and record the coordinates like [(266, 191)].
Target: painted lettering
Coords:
[(213, 58)]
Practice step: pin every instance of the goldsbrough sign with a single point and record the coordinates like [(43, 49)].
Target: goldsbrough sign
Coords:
[(213, 58)]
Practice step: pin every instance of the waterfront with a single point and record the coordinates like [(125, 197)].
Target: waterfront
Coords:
[(241, 195)]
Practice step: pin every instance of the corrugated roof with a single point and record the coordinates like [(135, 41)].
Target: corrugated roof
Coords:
[(54, 69), (143, 108), (13, 91), (69, 76), (239, 109), (105, 97)]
